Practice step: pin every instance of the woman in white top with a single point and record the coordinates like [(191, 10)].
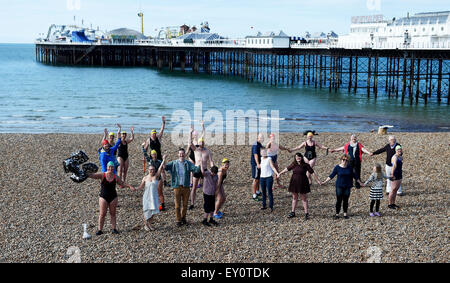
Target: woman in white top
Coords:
[(150, 200), (266, 178), (272, 152)]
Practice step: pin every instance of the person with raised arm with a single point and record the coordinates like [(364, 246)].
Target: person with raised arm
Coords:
[(355, 151), (190, 152), (108, 196), (107, 153), (202, 156), (150, 198), (390, 151), (122, 154), (152, 160), (154, 142), (272, 152), (310, 155)]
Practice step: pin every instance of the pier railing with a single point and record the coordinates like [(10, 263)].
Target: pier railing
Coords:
[(241, 43), (368, 45)]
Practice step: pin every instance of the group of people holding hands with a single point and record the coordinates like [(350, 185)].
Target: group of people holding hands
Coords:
[(195, 168), (265, 169), (186, 176)]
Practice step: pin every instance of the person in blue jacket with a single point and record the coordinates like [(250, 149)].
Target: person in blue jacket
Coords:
[(180, 171), (107, 154), (344, 183)]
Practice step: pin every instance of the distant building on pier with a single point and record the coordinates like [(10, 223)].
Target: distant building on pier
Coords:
[(268, 40), (125, 36), (421, 30)]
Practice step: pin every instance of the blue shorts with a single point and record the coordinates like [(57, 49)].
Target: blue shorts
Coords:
[(256, 172)]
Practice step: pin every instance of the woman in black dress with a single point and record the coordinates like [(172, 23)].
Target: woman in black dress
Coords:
[(299, 183)]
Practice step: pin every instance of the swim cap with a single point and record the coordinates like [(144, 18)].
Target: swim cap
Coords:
[(110, 164), (272, 136), (225, 160), (153, 131), (105, 142), (310, 134), (398, 147), (201, 140), (153, 152), (111, 133)]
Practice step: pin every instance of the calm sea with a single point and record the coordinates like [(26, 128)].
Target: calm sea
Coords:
[(35, 98)]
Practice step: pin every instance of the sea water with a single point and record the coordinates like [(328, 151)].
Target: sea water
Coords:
[(39, 98)]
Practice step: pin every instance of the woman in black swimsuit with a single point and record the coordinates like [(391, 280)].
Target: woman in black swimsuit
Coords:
[(108, 196), (310, 155), (122, 155), (154, 143), (396, 176)]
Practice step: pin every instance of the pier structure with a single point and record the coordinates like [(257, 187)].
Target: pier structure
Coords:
[(412, 74)]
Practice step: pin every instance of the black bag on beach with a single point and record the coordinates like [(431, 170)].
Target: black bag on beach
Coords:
[(90, 168), (79, 157), (72, 164), (80, 177)]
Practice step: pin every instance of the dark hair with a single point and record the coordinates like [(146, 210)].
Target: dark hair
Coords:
[(214, 169), (295, 163), (301, 156), (181, 149)]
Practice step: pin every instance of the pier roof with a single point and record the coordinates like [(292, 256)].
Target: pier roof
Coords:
[(201, 35), (126, 32), (268, 34)]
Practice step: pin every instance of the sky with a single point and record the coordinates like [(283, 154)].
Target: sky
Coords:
[(22, 21)]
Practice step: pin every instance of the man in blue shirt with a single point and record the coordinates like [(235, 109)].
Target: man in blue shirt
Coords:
[(255, 161)]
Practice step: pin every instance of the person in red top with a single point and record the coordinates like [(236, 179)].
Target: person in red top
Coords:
[(355, 150)]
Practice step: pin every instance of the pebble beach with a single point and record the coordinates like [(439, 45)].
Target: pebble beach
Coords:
[(42, 211)]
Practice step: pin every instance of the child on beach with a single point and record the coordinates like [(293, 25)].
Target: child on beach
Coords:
[(376, 189)]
